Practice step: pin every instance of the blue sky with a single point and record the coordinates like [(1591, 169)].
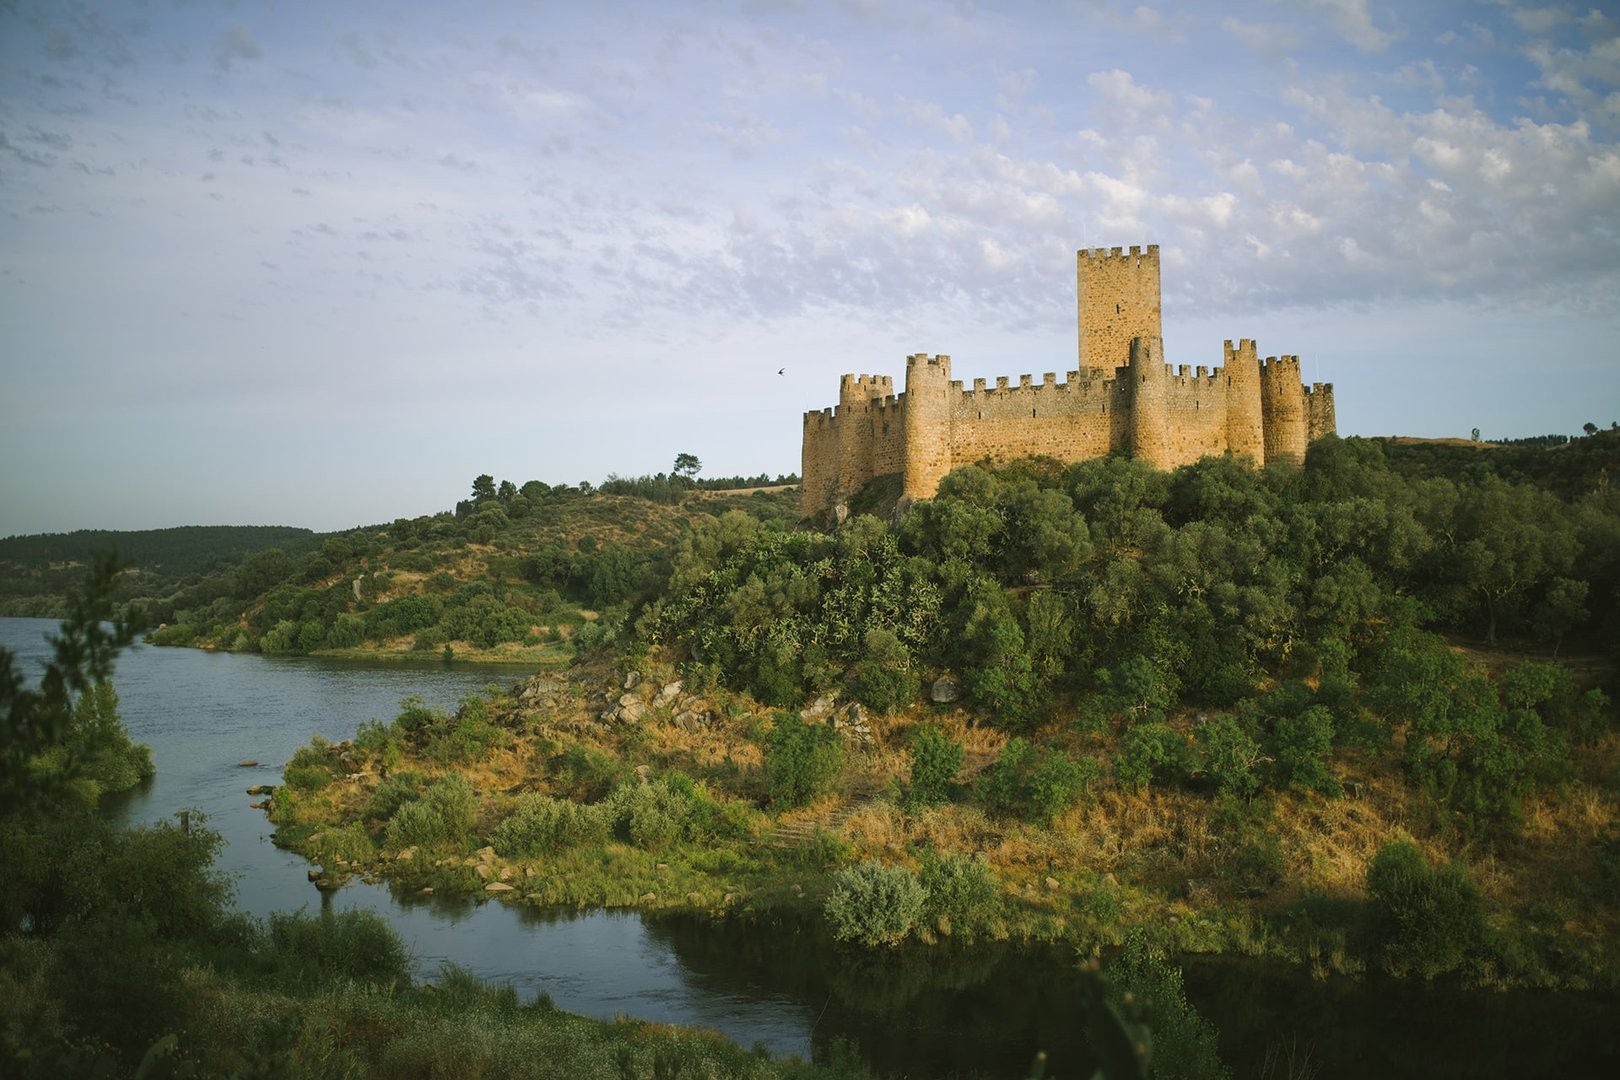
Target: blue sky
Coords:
[(321, 264)]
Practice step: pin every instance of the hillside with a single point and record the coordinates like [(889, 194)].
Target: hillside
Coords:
[(1358, 716)]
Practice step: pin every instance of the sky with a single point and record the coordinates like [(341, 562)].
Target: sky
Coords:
[(321, 264)]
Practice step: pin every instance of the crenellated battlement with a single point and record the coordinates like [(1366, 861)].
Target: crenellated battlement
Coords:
[(1122, 395), (1133, 257)]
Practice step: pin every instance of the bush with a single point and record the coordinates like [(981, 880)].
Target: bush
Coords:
[(1231, 756), (1142, 981), (355, 944), (651, 816), (801, 760), (380, 742), (884, 679), (443, 816), (1301, 747), (310, 768), (541, 825), (962, 893), (1153, 752), (1426, 920), (875, 904), (392, 794), (935, 760), (1023, 782)]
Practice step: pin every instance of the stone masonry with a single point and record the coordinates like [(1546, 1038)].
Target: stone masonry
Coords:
[(1121, 396)]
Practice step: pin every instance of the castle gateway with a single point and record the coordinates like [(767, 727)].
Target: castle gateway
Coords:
[(1122, 396)]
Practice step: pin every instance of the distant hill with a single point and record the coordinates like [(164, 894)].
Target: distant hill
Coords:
[(37, 571)]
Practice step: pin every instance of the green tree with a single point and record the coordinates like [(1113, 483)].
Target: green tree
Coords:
[(1426, 920), (483, 488), (82, 654), (936, 758), (686, 466), (801, 760)]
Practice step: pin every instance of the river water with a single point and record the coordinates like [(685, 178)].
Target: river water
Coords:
[(920, 1012)]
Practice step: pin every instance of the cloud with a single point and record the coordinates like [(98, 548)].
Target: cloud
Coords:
[(1269, 40), (1353, 23), (235, 44)]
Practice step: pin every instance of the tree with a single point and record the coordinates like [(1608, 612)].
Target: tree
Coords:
[(686, 466), (483, 488), (1474, 434), (1589, 427), (507, 491), (82, 654)]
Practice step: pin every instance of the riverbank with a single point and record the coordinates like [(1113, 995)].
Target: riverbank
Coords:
[(597, 787)]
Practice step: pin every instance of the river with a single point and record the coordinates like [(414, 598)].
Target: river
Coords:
[(919, 1012)]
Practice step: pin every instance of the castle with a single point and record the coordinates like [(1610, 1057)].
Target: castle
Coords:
[(1123, 396)]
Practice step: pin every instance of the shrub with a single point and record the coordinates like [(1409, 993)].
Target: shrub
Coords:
[(1153, 752), (354, 944), (875, 904), (651, 816), (443, 816), (1142, 981), (962, 892), (542, 825), (801, 760), (1231, 756), (391, 794), (1026, 783), (1426, 920), (1301, 747), (310, 767), (584, 772), (379, 741), (935, 760), (884, 679)]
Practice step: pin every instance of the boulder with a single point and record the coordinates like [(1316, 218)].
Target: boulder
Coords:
[(1051, 884), (648, 897), (484, 871), (497, 887), (486, 854), (246, 764), (944, 691), (820, 708), (631, 678), (669, 693)]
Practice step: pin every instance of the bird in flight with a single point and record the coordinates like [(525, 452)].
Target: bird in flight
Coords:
[(781, 371)]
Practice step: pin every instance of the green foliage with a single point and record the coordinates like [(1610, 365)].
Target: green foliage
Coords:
[(350, 944), (654, 815), (802, 760), (1151, 753), (310, 767), (1035, 785), (95, 755), (884, 679), (1301, 748), (1143, 983), (875, 905), (33, 722), (1425, 920), (392, 794), (443, 817), (540, 825), (963, 897), (1231, 755), (936, 758)]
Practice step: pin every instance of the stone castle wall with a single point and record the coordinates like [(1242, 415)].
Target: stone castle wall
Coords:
[(1123, 396)]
